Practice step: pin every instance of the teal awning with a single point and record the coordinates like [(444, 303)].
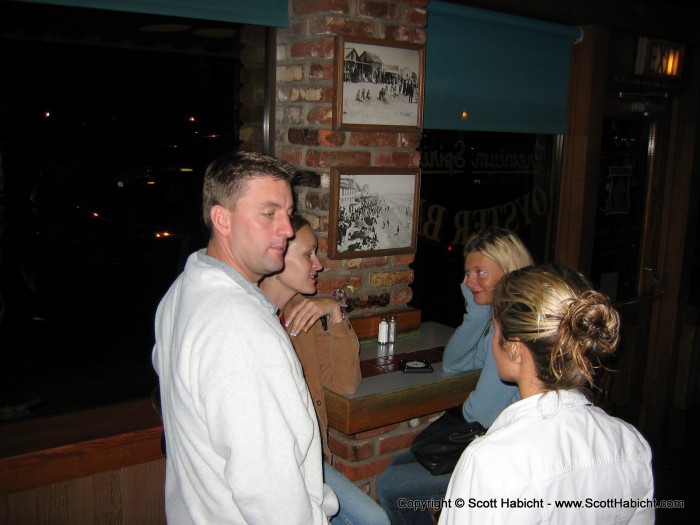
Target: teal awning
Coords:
[(507, 73)]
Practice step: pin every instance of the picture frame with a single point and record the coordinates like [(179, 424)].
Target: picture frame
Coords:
[(373, 212), (378, 85)]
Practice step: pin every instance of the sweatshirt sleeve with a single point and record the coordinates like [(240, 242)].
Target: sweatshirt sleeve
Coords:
[(466, 349), (267, 444)]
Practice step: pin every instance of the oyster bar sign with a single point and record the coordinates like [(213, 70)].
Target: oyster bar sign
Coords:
[(512, 215), (511, 186)]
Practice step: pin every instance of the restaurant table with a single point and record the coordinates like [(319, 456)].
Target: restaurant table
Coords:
[(388, 395)]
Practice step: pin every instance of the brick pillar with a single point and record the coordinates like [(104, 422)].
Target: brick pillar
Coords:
[(304, 133), (363, 456)]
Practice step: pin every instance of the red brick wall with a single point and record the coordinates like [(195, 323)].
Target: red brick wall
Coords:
[(362, 457), (304, 134)]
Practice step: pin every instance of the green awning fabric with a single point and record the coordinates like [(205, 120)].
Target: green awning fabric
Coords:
[(508, 73), (274, 13)]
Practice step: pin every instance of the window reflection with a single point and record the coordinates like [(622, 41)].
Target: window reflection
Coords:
[(107, 122)]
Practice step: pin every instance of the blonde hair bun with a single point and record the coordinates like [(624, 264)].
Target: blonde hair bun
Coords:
[(568, 326)]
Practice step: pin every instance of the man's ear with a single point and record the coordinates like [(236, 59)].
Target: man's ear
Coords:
[(220, 219)]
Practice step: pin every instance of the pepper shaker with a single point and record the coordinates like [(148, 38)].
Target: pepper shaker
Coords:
[(392, 329)]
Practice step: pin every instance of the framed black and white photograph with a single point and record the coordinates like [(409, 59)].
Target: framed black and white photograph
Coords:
[(379, 86), (373, 211)]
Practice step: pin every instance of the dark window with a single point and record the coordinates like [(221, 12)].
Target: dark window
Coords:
[(471, 180), (107, 122), (620, 205)]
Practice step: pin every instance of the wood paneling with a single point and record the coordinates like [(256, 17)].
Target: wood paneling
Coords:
[(365, 413), (59, 448), (579, 178), (102, 466), (127, 496)]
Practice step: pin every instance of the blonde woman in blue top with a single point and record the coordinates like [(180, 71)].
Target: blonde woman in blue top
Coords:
[(489, 255)]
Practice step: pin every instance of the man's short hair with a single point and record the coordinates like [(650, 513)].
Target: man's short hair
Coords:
[(226, 178)]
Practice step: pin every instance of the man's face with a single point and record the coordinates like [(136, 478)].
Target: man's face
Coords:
[(260, 227)]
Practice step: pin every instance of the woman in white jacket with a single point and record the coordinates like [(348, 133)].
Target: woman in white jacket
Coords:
[(552, 457)]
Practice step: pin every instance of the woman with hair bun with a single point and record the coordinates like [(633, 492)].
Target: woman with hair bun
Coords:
[(552, 332)]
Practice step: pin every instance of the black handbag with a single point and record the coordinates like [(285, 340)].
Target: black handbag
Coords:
[(440, 445)]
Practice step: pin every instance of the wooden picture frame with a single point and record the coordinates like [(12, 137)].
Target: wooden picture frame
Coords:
[(373, 211), (378, 85)]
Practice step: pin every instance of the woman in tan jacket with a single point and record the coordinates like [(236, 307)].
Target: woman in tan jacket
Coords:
[(328, 351)]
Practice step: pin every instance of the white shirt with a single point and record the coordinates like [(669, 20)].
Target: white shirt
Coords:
[(548, 449), (242, 439)]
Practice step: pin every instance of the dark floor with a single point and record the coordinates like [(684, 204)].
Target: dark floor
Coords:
[(675, 473)]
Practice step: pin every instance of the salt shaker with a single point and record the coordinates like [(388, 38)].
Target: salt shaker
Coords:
[(383, 334), (392, 329)]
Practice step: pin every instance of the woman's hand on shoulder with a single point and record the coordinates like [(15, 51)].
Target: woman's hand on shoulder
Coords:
[(309, 310)]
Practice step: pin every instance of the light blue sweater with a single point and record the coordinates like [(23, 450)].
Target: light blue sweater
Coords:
[(469, 348)]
